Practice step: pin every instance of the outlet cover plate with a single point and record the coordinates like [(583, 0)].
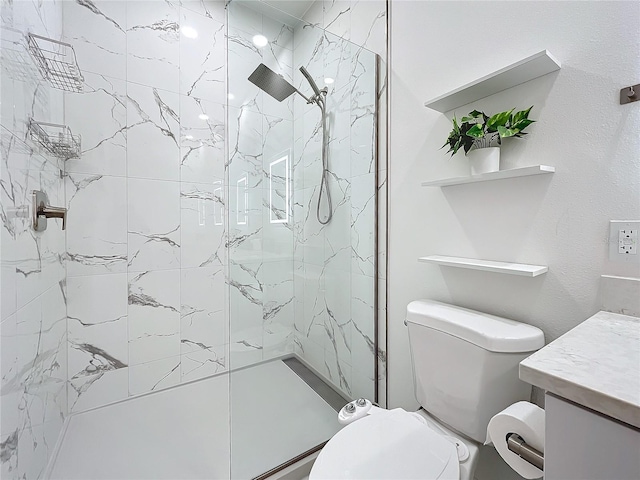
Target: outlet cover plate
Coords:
[(623, 241)]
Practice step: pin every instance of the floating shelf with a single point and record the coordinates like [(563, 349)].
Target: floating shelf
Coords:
[(520, 269), (485, 177), (526, 69)]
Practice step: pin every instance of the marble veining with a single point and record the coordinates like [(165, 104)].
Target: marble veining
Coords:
[(139, 298), (596, 364)]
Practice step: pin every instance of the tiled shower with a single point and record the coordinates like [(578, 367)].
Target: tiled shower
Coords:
[(191, 246)]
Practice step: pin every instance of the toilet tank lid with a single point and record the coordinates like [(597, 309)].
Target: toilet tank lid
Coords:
[(490, 332)]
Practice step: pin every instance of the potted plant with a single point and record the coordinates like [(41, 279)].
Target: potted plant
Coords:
[(480, 136)]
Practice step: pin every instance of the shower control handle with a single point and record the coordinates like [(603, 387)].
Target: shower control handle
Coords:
[(42, 211)]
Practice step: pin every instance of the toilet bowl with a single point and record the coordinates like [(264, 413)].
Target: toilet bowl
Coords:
[(465, 370), (396, 444)]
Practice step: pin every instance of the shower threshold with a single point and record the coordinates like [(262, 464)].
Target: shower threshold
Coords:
[(269, 413)]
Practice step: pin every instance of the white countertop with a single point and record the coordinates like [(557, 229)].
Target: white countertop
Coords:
[(596, 364)]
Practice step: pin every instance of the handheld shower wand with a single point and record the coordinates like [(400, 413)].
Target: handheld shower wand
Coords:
[(276, 86), (315, 88)]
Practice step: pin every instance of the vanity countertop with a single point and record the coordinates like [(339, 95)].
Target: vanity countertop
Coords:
[(596, 364)]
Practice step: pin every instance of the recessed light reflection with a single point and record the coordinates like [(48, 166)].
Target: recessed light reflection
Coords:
[(260, 41), (189, 137), (203, 116), (329, 80), (189, 32), (231, 96)]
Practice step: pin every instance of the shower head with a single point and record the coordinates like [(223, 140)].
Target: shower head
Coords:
[(316, 90), (272, 83)]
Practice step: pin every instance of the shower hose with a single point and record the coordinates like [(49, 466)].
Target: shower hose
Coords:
[(324, 182)]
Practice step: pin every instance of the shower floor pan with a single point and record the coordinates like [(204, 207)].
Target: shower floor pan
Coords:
[(184, 433)]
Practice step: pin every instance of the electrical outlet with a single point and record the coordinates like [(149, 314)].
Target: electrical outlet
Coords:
[(628, 241), (623, 241)]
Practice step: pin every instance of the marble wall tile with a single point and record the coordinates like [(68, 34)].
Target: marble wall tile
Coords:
[(103, 127), (338, 320), (278, 33), (203, 363), (337, 17), (362, 386), (25, 95), (363, 22), (97, 347), (346, 251), (369, 25), (202, 318), (19, 156), (33, 366), (97, 323), (363, 211), (153, 133), (313, 235), (362, 327), (154, 376), (214, 9), (154, 224), (202, 226), (33, 330), (97, 30), (280, 60), (246, 296), (245, 147), (244, 56), (95, 299), (96, 247), (243, 18), (277, 222), (26, 455), (341, 161), (311, 152), (154, 315), (337, 233), (202, 57), (362, 121), (153, 44), (337, 60), (338, 372), (36, 258), (312, 325), (277, 307), (202, 132), (96, 390)]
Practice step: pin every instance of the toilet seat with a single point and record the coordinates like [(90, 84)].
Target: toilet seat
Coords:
[(389, 445)]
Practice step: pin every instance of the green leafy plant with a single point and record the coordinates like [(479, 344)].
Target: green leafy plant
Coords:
[(479, 130)]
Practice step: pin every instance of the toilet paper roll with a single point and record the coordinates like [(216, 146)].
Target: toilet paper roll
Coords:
[(525, 419)]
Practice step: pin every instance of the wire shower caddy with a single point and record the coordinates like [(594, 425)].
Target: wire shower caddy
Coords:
[(57, 62), (56, 139)]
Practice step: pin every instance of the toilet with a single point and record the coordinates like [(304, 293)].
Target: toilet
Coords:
[(465, 368)]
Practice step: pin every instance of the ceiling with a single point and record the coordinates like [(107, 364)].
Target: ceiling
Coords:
[(295, 8), (289, 12)]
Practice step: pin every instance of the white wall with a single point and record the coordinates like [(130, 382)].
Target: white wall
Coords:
[(559, 220)]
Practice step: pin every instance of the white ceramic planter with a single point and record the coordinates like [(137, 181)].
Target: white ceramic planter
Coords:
[(484, 160)]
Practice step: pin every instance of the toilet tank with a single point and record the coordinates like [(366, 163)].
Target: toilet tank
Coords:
[(465, 363)]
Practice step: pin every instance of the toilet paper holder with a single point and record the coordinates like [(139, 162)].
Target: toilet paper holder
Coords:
[(520, 447)]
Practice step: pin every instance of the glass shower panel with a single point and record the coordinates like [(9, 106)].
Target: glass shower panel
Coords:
[(118, 324), (302, 294)]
